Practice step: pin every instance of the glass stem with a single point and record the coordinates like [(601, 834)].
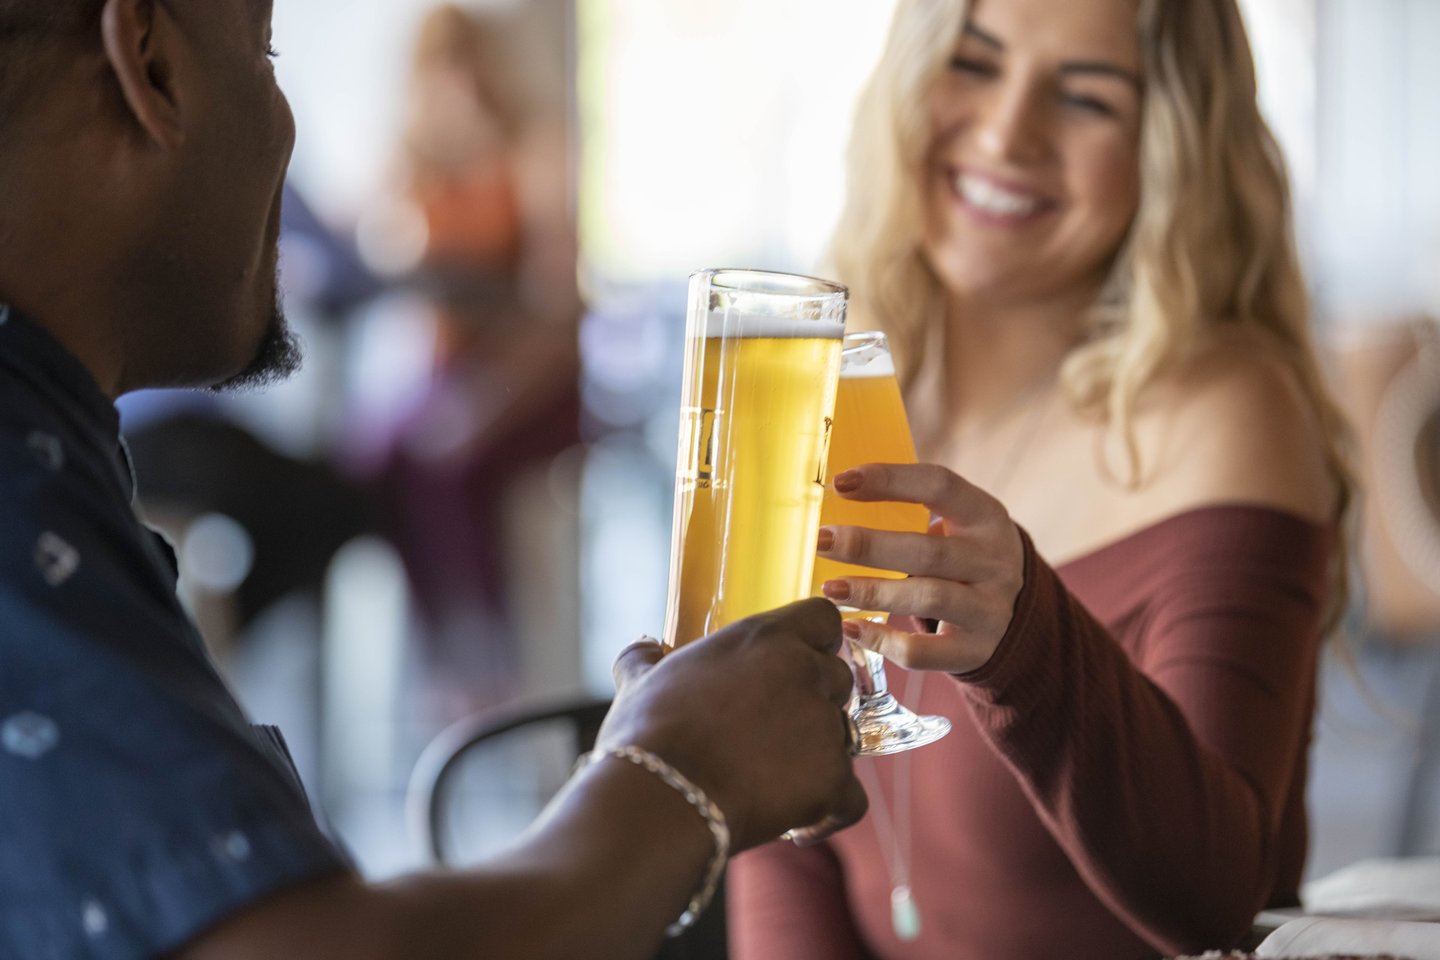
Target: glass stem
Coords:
[(869, 669)]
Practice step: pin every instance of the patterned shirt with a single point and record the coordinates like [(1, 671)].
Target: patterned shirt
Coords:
[(138, 806)]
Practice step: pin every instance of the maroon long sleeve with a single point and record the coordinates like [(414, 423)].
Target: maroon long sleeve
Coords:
[(1125, 777)]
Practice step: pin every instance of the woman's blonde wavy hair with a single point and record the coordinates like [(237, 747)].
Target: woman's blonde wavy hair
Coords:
[(1212, 241)]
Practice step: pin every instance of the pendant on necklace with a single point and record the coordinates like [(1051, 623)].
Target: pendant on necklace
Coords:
[(904, 914)]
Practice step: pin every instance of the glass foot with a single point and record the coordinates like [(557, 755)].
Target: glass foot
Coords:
[(887, 727)]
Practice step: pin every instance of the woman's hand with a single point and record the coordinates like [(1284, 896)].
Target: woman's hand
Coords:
[(965, 573)]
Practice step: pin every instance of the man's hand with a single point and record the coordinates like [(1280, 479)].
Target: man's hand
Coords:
[(754, 714)]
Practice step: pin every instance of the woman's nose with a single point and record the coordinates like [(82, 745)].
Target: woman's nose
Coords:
[(1010, 123)]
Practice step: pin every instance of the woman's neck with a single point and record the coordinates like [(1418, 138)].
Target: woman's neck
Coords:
[(997, 355)]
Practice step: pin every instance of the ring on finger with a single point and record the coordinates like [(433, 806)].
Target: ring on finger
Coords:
[(853, 738)]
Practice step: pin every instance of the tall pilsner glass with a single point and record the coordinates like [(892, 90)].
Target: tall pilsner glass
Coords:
[(870, 427), (762, 353)]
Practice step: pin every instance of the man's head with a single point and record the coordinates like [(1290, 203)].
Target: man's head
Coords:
[(143, 147)]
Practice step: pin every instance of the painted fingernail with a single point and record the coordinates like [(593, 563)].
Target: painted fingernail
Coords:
[(850, 629), (847, 481), (826, 539), (836, 589)]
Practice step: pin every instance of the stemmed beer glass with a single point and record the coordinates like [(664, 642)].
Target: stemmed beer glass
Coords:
[(870, 427)]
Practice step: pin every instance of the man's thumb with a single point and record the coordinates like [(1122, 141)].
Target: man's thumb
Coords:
[(636, 660)]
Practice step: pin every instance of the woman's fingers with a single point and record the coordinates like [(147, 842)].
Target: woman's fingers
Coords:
[(966, 572), (952, 557), (973, 618), (943, 491), (951, 651), (930, 598)]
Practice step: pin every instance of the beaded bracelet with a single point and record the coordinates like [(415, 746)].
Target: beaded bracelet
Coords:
[(709, 812)]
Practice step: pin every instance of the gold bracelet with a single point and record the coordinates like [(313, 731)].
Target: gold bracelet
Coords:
[(709, 812)]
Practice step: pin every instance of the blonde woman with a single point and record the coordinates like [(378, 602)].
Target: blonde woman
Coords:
[(1074, 224)]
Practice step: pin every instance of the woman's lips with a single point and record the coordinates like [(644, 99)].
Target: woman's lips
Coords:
[(995, 201)]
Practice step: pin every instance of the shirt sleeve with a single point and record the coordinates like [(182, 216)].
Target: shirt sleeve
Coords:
[(137, 805), (787, 901), (1163, 772)]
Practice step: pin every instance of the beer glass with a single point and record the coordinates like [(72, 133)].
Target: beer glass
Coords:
[(870, 427), (762, 354)]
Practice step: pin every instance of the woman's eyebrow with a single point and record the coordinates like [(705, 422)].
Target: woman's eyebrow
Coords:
[(1084, 67), (1103, 68), (989, 39)]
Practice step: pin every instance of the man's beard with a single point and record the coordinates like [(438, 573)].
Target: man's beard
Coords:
[(277, 359)]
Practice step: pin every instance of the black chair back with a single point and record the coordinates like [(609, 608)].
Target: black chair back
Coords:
[(482, 780)]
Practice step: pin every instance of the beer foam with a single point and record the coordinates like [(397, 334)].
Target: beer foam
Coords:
[(866, 360), (807, 322)]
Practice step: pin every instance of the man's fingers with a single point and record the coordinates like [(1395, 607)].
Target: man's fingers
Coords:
[(636, 660), (814, 621), (837, 681), (851, 807)]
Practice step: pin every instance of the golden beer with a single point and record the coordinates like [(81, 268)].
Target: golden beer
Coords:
[(758, 399), (870, 427)]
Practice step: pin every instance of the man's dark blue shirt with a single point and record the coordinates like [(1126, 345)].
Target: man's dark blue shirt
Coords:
[(138, 806)]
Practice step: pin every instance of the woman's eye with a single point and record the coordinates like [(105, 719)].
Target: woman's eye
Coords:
[(1088, 104), (968, 65), (271, 52)]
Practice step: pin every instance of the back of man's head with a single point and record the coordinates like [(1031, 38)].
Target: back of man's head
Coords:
[(30, 28), (47, 14)]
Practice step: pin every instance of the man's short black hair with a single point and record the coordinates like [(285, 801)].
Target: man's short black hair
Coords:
[(18, 16), (27, 24)]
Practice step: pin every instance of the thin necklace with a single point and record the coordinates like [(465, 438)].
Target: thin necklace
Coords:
[(1039, 396), (1017, 450), (986, 428), (894, 834)]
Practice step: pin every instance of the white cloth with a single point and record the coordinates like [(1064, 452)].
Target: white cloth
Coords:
[(1320, 936), (1395, 887)]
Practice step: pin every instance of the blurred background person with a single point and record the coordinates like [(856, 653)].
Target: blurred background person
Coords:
[(482, 172)]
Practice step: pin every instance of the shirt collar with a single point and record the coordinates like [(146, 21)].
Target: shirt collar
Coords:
[(28, 351)]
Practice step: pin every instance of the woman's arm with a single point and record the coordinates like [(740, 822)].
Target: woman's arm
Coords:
[(1163, 769), (1165, 779)]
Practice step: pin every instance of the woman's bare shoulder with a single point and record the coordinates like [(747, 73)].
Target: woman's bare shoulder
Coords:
[(1234, 423)]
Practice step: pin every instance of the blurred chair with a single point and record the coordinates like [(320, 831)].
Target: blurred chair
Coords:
[(493, 770), (1387, 377), (292, 514), (484, 779)]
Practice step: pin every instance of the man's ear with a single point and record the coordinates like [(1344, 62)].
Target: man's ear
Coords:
[(136, 35)]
